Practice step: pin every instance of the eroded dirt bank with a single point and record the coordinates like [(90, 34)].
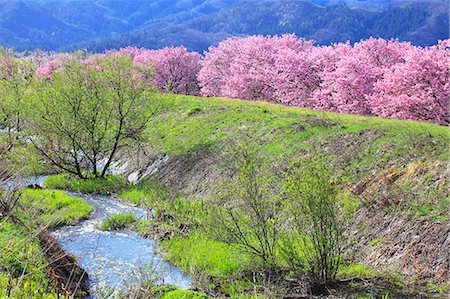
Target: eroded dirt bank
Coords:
[(65, 275), (412, 246)]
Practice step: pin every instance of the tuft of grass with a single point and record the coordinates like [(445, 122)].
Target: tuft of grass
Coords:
[(172, 214), (185, 294), (352, 270), (91, 185), (118, 221), (201, 254), (54, 208), (376, 243)]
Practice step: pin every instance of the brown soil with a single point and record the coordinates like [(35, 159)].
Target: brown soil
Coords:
[(413, 247), (66, 276)]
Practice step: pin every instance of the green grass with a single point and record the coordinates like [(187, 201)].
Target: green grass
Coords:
[(221, 267), (118, 221), (54, 208), (185, 294), (172, 213), (178, 131), (201, 254), (91, 185), (352, 270), (147, 195), (357, 146), (23, 270)]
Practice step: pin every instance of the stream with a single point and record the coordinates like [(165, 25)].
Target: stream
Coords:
[(114, 260)]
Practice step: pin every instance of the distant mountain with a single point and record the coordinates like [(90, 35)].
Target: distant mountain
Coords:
[(197, 24)]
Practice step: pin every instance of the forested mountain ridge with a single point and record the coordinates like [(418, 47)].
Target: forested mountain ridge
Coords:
[(197, 24)]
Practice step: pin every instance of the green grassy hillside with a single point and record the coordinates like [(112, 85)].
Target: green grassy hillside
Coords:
[(396, 169), (404, 158)]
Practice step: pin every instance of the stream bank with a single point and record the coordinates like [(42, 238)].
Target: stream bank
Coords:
[(86, 262)]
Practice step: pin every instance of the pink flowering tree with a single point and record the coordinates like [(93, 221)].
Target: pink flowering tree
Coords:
[(373, 77), (346, 84), (47, 66), (418, 88), (258, 68), (239, 68), (176, 69)]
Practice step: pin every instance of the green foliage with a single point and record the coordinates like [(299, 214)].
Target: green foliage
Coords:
[(147, 195), (90, 185), (23, 272), (185, 294), (16, 76), (171, 213), (218, 259), (90, 109), (23, 160), (118, 221), (53, 208), (245, 212), (352, 270), (318, 219), (376, 243), (439, 288)]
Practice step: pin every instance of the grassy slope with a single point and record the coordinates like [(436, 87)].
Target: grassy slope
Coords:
[(392, 165), (360, 148)]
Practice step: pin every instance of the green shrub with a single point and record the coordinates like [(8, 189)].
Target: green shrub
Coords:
[(317, 215), (246, 209), (118, 221)]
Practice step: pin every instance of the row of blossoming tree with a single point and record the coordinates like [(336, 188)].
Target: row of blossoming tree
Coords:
[(373, 77)]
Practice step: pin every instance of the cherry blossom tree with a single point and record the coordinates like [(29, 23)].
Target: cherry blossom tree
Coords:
[(373, 77), (418, 88), (346, 85), (176, 69), (256, 68)]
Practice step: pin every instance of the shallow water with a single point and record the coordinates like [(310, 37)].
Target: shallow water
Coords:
[(115, 259)]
